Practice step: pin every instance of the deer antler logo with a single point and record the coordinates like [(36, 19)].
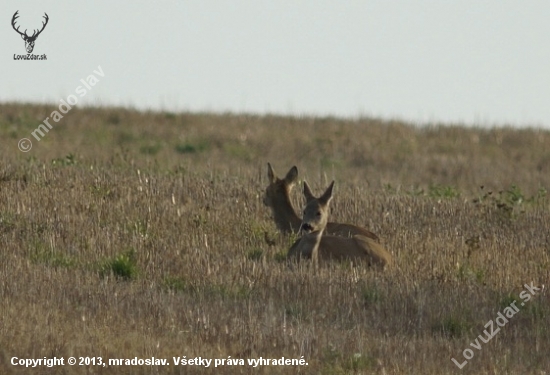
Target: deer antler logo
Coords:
[(29, 40)]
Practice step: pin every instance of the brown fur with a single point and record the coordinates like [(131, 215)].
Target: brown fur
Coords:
[(277, 197), (313, 245)]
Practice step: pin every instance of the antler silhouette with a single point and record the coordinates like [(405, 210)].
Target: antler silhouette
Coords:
[(29, 40), (35, 34), (16, 16)]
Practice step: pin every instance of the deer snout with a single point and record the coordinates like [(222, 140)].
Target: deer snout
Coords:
[(306, 228)]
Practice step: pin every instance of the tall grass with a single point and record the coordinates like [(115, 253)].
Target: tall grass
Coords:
[(127, 234)]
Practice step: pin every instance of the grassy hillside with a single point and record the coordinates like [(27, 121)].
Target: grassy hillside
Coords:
[(128, 234)]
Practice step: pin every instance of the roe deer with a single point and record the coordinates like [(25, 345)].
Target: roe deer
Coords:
[(277, 197), (316, 246)]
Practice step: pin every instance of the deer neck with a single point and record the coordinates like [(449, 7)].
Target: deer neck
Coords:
[(285, 217), (315, 249)]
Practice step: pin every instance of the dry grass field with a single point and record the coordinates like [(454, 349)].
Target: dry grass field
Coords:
[(126, 234)]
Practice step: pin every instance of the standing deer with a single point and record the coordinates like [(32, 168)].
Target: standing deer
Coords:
[(29, 40), (277, 197), (318, 247)]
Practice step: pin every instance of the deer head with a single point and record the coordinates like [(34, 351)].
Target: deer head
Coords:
[(317, 209), (29, 40)]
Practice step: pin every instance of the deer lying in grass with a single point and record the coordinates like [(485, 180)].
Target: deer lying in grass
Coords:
[(318, 247), (277, 197)]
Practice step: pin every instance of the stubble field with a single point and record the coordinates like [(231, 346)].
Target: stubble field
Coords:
[(129, 234)]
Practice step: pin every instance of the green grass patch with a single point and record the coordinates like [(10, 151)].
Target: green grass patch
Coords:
[(68, 160), (255, 254), (191, 148), (280, 256), (371, 295), (150, 149), (453, 327), (440, 191), (175, 284), (122, 266), (41, 253), (239, 151), (467, 272), (7, 222)]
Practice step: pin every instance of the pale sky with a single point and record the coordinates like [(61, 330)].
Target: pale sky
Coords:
[(474, 62)]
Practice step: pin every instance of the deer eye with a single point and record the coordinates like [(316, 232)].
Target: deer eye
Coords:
[(318, 213)]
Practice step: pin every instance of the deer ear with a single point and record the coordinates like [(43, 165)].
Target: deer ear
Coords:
[(291, 176), (22, 36), (271, 173), (307, 193), (327, 195)]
